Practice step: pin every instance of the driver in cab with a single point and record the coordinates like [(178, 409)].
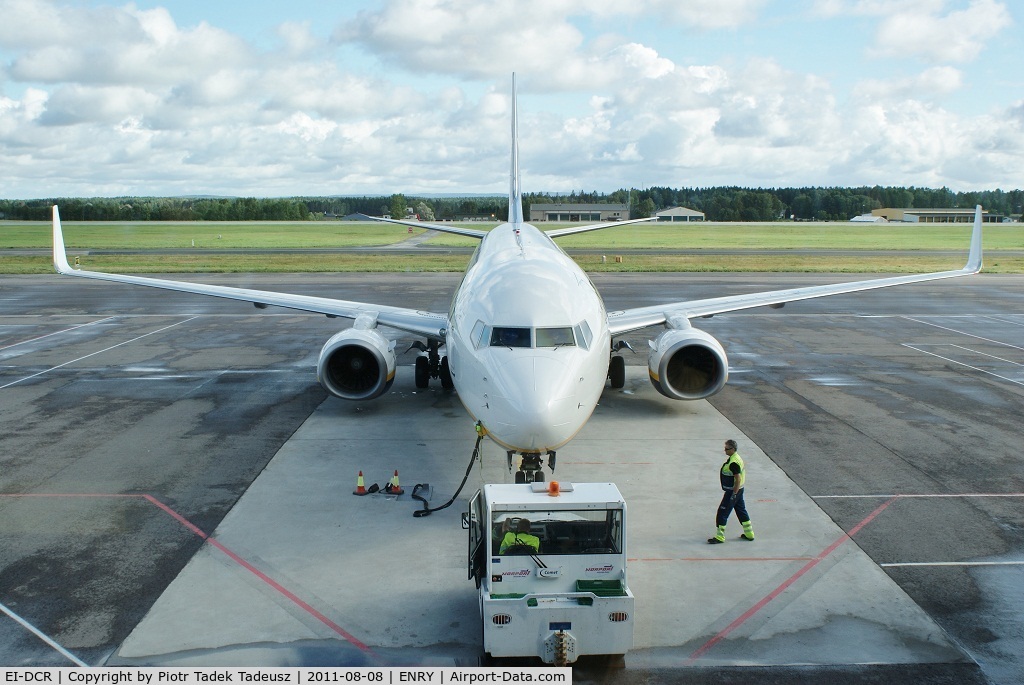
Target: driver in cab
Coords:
[(518, 535)]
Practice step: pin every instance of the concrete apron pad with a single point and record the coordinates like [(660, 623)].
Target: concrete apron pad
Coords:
[(301, 572)]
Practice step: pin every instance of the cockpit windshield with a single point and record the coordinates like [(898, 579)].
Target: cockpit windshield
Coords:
[(555, 337), (513, 336), (506, 336)]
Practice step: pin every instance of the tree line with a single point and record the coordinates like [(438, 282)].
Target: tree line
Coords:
[(719, 203)]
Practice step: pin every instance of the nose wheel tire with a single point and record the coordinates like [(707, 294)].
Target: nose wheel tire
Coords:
[(531, 468)]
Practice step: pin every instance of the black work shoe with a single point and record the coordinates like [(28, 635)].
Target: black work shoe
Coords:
[(715, 541), (744, 537)]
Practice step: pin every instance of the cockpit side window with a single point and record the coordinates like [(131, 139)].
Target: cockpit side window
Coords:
[(555, 337), (481, 334), (506, 336), (583, 334)]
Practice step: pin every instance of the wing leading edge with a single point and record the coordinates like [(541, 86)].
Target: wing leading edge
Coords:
[(641, 317), (427, 324)]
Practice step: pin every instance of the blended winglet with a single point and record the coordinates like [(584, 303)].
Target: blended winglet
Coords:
[(974, 258), (60, 257)]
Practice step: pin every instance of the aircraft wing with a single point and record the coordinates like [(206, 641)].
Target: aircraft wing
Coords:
[(632, 319), (558, 232), (427, 324), (468, 232), (473, 233)]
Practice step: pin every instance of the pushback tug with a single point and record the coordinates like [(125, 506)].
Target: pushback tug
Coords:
[(549, 561)]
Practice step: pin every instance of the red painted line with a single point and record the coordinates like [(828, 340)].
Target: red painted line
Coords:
[(788, 582), (264, 577), (294, 598), (305, 606), (605, 463), (701, 559), (60, 494), (176, 516)]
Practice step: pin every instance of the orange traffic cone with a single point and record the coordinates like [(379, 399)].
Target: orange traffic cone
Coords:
[(360, 487), (393, 488)]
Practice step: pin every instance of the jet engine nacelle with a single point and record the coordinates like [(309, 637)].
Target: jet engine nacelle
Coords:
[(687, 364), (357, 364)]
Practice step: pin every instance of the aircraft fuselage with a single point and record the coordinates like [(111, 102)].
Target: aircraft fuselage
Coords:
[(528, 343)]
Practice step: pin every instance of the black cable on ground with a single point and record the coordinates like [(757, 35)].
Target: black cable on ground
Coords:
[(426, 510)]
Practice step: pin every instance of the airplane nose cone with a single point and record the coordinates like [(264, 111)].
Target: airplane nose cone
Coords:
[(534, 398)]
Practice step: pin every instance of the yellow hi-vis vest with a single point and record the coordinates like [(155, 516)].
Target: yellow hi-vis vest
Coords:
[(512, 539), (726, 474)]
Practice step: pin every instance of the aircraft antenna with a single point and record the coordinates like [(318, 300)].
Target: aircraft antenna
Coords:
[(515, 193)]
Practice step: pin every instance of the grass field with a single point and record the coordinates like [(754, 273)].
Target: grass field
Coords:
[(204, 236)]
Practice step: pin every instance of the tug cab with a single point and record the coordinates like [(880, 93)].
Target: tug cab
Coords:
[(549, 561)]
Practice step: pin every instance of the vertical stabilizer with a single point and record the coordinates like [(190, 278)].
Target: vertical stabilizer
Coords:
[(515, 192)]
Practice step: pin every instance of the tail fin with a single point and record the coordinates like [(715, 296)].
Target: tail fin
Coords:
[(515, 192)]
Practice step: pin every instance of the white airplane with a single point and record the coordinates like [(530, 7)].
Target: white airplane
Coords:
[(528, 344)]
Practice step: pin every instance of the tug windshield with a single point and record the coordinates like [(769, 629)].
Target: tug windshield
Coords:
[(586, 531)]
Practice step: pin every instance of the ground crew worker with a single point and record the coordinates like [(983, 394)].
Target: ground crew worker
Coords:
[(520, 536), (733, 479)]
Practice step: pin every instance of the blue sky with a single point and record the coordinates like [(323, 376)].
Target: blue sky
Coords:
[(311, 98)]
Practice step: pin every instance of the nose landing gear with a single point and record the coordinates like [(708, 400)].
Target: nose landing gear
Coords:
[(531, 467)]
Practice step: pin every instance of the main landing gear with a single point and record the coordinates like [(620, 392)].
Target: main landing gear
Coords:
[(531, 467), (617, 365), (433, 365)]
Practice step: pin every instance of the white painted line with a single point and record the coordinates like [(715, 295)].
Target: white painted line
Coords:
[(954, 563), (983, 354), (974, 368), (42, 636), (66, 330), (970, 335), (93, 354), (998, 320)]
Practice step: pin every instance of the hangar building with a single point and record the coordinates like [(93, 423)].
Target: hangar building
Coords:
[(567, 212), (960, 215), (680, 214)]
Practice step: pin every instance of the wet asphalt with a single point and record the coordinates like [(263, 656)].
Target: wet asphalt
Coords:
[(119, 405)]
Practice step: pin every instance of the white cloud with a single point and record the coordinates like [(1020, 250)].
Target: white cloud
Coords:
[(834, 8), (468, 37), (107, 105), (927, 29), (489, 39), (936, 81), (118, 100), (306, 127), (299, 39), (708, 14), (701, 14), (643, 61), (956, 37)]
